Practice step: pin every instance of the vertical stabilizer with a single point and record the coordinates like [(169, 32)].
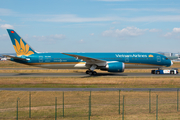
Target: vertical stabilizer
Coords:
[(20, 46)]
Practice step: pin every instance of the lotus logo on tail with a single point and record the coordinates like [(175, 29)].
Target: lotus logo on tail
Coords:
[(22, 49)]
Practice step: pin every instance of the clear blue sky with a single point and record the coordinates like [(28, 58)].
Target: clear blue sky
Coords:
[(92, 25)]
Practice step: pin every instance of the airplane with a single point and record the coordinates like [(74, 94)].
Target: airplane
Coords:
[(111, 62)]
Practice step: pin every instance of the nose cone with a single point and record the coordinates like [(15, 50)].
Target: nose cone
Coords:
[(168, 63), (171, 63)]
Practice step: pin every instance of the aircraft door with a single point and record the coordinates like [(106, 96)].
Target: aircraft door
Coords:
[(40, 59), (158, 58), (126, 59)]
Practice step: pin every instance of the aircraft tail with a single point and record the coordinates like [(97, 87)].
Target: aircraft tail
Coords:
[(20, 46)]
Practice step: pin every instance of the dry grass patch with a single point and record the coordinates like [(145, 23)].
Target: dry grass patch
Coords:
[(105, 105), (116, 82), (176, 65), (10, 64)]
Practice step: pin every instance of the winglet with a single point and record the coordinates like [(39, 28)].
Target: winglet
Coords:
[(20, 46)]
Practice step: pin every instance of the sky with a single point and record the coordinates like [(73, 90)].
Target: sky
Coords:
[(92, 25)]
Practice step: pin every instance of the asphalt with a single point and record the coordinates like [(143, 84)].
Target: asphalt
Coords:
[(84, 75), (22, 68), (81, 75)]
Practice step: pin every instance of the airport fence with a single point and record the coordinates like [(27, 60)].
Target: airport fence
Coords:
[(83, 105)]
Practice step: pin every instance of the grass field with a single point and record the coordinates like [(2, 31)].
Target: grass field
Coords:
[(10, 64), (92, 82), (104, 103)]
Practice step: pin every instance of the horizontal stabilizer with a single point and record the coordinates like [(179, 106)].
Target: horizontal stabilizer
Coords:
[(17, 58)]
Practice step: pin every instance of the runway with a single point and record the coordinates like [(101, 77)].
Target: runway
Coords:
[(89, 89), (23, 69), (85, 75), (32, 68)]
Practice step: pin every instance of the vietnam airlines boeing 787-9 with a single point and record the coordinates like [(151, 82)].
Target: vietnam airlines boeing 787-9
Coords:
[(111, 62)]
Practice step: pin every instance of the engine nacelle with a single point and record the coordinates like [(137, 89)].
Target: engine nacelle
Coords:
[(115, 67)]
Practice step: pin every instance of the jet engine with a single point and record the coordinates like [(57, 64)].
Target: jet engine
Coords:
[(115, 67)]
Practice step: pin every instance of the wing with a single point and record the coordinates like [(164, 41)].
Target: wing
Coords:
[(88, 59), (17, 58)]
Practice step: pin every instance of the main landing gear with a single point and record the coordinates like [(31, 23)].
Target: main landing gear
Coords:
[(90, 72)]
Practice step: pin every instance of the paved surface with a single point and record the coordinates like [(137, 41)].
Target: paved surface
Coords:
[(73, 74), (89, 89), (22, 68), (83, 75)]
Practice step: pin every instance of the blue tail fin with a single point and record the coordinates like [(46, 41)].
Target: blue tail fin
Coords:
[(20, 46)]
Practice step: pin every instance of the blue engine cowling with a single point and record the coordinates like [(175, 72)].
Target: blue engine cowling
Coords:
[(115, 67)]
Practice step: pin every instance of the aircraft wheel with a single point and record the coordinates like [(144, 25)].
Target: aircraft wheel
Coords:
[(87, 72), (90, 72), (94, 73)]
